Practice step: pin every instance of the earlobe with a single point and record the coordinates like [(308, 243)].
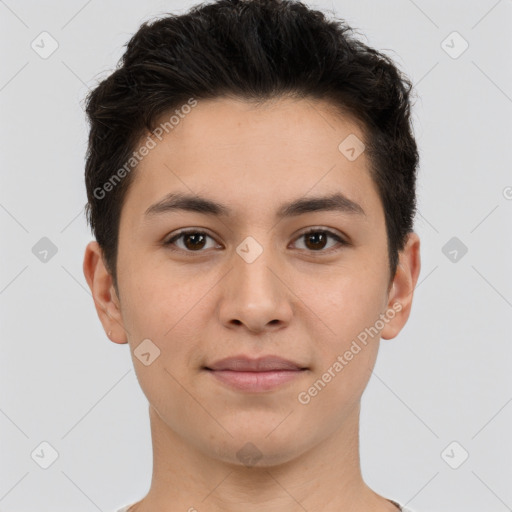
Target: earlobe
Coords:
[(402, 289), (103, 292)]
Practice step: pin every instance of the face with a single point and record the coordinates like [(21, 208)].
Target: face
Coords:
[(262, 270)]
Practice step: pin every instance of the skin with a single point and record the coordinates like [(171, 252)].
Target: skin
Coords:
[(300, 299)]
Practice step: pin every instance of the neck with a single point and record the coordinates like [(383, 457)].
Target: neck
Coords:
[(325, 478)]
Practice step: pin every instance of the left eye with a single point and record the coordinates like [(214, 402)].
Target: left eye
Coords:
[(194, 241), (318, 237)]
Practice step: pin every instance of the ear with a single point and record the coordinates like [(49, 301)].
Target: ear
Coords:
[(103, 292), (402, 288)]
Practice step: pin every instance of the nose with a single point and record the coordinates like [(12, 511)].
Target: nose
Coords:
[(255, 296)]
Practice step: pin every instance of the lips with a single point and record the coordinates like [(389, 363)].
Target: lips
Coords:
[(264, 374), (261, 364)]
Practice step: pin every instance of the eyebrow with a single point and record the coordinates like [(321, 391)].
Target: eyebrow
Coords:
[(194, 203)]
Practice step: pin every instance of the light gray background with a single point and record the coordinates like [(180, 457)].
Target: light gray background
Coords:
[(445, 378)]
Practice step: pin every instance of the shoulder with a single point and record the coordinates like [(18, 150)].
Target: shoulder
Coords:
[(401, 507)]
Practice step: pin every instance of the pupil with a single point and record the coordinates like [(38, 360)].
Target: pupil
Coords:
[(315, 236), (194, 245)]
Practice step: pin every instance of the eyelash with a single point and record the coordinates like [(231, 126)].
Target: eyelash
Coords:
[(169, 243)]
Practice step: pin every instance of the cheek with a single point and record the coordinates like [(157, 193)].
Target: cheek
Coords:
[(169, 312), (345, 352), (153, 301), (164, 313), (346, 302)]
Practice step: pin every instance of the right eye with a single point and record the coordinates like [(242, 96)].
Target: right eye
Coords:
[(193, 240)]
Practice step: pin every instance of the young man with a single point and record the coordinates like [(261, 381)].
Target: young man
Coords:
[(251, 183)]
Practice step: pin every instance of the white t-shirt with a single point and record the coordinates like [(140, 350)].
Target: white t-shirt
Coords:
[(402, 508)]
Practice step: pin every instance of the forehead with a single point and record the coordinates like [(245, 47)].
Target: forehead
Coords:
[(253, 156)]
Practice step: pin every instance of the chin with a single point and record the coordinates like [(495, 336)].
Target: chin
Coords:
[(256, 450)]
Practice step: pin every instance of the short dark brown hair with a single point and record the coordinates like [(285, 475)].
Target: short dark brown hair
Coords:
[(254, 50)]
